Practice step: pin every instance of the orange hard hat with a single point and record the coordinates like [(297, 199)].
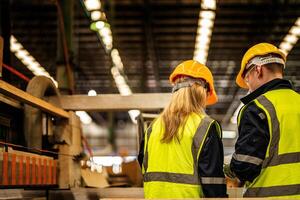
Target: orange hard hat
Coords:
[(196, 70), (260, 49)]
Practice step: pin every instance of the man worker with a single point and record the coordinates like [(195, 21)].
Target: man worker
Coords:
[(267, 151)]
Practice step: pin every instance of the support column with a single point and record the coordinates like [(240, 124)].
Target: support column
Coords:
[(1, 55), (65, 49), (111, 131), (69, 168), (5, 34)]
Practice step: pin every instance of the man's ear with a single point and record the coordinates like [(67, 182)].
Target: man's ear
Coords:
[(260, 71)]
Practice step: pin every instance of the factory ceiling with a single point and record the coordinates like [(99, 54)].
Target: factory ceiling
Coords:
[(152, 37)]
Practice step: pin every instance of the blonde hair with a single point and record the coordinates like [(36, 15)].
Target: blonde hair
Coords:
[(183, 102)]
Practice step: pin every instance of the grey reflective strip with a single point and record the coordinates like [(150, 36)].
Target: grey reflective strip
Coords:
[(149, 132), (247, 158), (275, 159), (274, 121), (145, 160), (199, 138), (188, 82), (181, 85), (171, 177), (213, 180), (284, 159), (273, 150), (273, 191)]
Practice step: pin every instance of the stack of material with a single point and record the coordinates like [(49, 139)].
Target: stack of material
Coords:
[(94, 179), (130, 175)]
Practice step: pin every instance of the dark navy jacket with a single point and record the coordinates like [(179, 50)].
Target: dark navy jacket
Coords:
[(253, 131)]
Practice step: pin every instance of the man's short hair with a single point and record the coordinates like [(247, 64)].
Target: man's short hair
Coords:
[(275, 67)]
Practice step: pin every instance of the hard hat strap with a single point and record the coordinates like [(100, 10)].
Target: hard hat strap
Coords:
[(259, 61), (188, 82), (265, 60)]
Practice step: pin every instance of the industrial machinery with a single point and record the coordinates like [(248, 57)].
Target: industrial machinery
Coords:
[(40, 143), (39, 140)]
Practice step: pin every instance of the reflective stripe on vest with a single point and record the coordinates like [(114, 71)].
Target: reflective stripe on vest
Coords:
[(192, 179), (171, 177), (284, 190), (274, 159), (213, 180), (247, 158), (275, 131), (283, 159)]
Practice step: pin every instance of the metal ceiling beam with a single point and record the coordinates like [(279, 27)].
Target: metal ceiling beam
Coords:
[(20, 95), (114, 102), (5, 32)]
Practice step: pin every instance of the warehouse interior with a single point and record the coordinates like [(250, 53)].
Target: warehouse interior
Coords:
[(109, 63)]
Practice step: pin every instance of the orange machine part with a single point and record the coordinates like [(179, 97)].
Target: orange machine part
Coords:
[(20, 178), (54, 172), (13, 169), (33, 171), (5, 168), (45, 172), (27, 173)]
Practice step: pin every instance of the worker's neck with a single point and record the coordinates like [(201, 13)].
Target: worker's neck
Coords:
[(270, 77)]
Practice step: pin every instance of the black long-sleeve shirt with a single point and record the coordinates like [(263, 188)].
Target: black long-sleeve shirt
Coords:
[(210, 163), (254, 134)]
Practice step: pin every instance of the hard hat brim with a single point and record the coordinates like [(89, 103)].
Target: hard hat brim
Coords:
[(212, 99)]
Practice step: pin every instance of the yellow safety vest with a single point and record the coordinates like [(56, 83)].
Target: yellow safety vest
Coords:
[(171, 169), (280, 174)]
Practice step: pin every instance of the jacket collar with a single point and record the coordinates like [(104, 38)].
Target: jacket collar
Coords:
[(271, 85)]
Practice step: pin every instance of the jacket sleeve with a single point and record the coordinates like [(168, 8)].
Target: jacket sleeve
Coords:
[(141, 152), (210, 165), (251, 145)]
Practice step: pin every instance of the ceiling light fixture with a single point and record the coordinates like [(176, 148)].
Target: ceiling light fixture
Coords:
[(29, 61), (204, 30), (95, 15), (99, 23), (208, 4), (291, 37), (92, 4), (123, 88), (84, 117)]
